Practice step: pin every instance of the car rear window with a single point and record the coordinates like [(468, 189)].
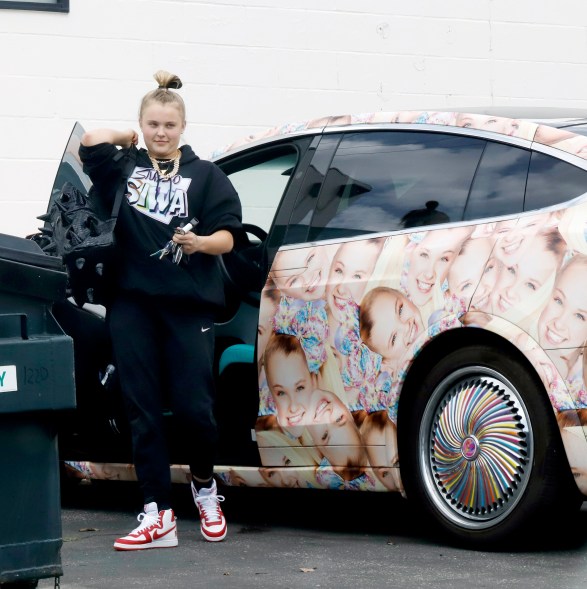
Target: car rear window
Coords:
[(552, 181)]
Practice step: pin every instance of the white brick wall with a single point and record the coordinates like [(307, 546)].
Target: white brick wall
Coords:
[(251, 64)]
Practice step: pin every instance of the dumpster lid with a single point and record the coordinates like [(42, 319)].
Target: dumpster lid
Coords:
[(26, 251)]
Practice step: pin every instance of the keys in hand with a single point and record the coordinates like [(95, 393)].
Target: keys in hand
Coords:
[(172, 248)]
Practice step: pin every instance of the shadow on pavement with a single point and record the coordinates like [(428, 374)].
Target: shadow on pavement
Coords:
[(256, 509), (259, 509)]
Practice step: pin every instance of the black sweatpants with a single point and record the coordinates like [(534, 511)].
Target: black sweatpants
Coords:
[(164, 348)]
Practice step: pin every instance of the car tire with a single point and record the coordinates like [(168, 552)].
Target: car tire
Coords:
[(481, 451)]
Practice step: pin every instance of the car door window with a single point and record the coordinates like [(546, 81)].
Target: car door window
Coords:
[(388, 180), (299, 223), (260, 180), (500, 182), (552, 181)]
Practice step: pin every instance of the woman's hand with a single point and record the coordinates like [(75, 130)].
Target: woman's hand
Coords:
[(189, 241), (133, 138), (220, 242)]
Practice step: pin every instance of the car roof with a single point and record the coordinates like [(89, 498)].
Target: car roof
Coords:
[(554, 115), (564, 129)]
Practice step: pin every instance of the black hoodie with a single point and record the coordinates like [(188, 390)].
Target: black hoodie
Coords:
[(150, 212)]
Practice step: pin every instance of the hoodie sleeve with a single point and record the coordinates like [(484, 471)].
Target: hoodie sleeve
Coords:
[(99, 164), (222, 207)]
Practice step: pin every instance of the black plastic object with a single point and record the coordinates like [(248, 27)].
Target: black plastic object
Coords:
[(79, 225), (36, 380)]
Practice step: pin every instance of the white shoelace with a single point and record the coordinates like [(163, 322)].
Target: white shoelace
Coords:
[(209, 505), (147, 520)]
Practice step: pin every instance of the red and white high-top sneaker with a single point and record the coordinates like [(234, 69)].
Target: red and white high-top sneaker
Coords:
[(212, 522), (158, 529)]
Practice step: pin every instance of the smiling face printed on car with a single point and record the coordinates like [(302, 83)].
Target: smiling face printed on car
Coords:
[(389, 324), (290, 381), (379, 435), (563, 322), (468, 267), (513, 239), (481, 300), (301, 273), (351, 267), (333, 430), (280, 477), (519, 281), (430, 260)]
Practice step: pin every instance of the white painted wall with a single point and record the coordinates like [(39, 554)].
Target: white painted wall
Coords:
[(252, 64)]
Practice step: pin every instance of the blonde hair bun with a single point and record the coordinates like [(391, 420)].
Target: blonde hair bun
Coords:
[(167, 80)]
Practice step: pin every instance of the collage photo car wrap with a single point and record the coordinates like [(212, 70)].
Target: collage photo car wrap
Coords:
[(340, 325), (522, 129)]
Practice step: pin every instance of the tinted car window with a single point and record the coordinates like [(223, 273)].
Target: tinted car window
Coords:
[(382, 181), (500, 182), (552, 181), (307, 198)]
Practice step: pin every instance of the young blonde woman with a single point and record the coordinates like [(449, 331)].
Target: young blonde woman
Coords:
[(162, 318)]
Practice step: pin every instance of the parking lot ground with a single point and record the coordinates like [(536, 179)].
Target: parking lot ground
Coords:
[(290, 539), (267, 546)]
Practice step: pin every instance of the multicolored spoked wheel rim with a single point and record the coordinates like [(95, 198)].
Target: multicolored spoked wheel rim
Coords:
[(475, 447)]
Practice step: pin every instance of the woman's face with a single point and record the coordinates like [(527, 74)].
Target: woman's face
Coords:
[(279, 477), (397, 324), (488, 123), (352, 266), (514, 239), (281, 455), (333, 429), (291, 385), (383, 468), (563, 323), (430, 261), (381, 444), (301, 273), (483, 294), (468, 267), (264, 329), (519, 281), (162, 126)]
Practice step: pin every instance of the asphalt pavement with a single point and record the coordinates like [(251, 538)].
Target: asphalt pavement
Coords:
[(294, 539), (273, 541)]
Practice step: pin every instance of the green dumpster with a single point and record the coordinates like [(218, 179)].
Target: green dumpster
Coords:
[(36, 381)]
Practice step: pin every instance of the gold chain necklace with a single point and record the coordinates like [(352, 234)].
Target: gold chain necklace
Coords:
[(172, 172)]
